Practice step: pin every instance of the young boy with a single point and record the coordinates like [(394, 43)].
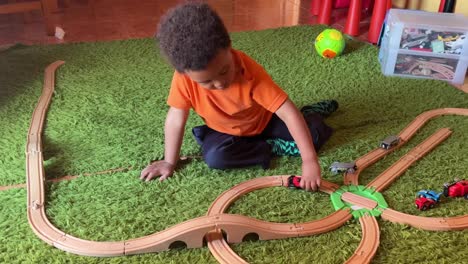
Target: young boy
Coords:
[(248, 117)]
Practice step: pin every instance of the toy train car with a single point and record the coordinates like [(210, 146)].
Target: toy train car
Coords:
[(426, 199), (294, 182), (390, 142), (341, 167), (458, 188)]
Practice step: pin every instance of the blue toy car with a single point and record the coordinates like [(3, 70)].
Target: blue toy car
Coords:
[(429, 195), (426, 199)]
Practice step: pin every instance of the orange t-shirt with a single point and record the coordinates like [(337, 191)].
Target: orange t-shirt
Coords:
[(242, 109)]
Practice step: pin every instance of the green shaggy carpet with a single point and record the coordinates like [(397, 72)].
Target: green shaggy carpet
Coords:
[(108, 112)]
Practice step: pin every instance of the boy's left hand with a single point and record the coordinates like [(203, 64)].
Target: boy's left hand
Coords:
[(311, 176)]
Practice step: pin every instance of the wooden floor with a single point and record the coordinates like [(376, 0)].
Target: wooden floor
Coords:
[(104, 20)]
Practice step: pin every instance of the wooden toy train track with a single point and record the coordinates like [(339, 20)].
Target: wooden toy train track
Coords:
[(236, 227)]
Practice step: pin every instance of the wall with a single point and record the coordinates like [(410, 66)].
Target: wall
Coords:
[(430, 5)]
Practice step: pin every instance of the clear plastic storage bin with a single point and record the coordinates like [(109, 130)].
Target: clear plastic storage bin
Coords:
[(423, 44)]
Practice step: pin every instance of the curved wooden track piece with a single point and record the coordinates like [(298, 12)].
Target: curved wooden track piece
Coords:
[(427, 223), (220, 248), (369, 241), (365, 161), (235, 226)]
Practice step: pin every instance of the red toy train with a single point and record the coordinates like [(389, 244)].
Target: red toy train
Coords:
[(457, 188)]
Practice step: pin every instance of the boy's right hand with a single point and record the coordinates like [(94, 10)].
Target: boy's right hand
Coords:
[(160, 168)]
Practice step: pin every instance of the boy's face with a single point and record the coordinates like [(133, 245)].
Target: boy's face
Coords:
[(219, 73)]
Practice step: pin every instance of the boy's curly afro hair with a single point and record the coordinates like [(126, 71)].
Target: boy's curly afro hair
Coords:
[(190, 36)]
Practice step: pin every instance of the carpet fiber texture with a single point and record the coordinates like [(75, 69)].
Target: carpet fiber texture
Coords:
[(108, 112)]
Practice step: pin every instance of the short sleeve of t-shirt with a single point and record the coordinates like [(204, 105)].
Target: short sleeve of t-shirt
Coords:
[(179, 95), (266, 92)]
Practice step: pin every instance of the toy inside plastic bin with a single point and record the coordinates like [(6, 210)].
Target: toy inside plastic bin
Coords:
[(428, 45)]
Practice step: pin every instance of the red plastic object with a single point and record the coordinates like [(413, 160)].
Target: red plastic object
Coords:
[(378, 16), (457, 189), (325, 12), (389, 4), (323, 8), (315, 7), (441, 6), (353, 19), (341, 3), (346, 3), (446, 6)]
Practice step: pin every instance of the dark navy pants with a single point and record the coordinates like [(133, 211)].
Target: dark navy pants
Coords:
[(224, 151)]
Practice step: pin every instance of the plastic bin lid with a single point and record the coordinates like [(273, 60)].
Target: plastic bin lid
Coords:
[(423, 18)]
